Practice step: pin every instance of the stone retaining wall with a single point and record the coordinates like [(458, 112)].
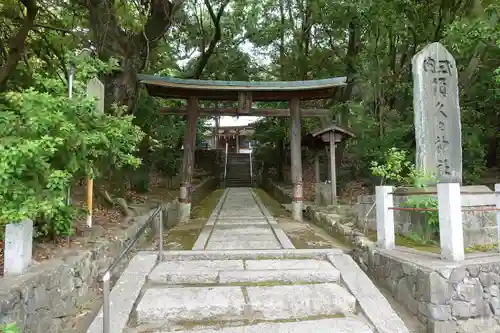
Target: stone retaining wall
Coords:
[(445, 296), (54, 291)]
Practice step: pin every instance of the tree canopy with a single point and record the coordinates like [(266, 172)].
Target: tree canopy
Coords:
[(370, 42)]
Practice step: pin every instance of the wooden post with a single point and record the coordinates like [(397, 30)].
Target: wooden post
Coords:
[(333, 167), (188, 161), (95, 89), (317, 188), (216, 138), (296, 157), (237, 141)]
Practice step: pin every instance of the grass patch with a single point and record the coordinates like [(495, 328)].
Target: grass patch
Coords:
[(408, 242), (204, 209), (271, 204), (183, 237), (433, 248)]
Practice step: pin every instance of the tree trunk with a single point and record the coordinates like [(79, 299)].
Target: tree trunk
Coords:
[(16, 44), (132, 50)]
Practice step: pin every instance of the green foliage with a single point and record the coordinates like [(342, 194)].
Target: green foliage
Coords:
[(48, 141), (401, 172), (59, 222), (395, 169), (10, 328)]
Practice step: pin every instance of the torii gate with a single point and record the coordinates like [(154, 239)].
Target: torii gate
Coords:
[(244, 93)]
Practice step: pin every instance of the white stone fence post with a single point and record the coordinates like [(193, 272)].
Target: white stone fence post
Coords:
[(451, 229), (18, 247), (450, 219)]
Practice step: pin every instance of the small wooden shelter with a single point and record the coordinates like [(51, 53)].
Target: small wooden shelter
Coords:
[(328, 138)]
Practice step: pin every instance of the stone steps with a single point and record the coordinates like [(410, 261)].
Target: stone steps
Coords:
[(177, 305), (334, 325), (243, 291)]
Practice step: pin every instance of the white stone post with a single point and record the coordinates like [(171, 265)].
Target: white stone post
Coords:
[(385, 217), (497, 201), (451, 232), (18, 248)]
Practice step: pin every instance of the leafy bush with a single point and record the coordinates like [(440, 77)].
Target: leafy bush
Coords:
[(48, 140), (9, 328), (401, 172)]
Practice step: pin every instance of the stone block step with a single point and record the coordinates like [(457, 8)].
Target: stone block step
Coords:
[(243, 276), (190, 304), (243, 245), (334, 325), (294, 276), (300, 301), (227, 303)]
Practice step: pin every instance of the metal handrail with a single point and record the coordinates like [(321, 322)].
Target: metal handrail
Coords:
[(225, 164), (107, 275)]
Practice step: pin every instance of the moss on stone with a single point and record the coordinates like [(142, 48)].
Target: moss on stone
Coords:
[(183, 236), (271, 204), (205, 208)]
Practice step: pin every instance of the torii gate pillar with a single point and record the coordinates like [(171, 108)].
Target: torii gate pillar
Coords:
[(188, 161), (296, 156)]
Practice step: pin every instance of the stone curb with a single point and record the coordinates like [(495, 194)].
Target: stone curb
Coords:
[(202, 239), (373, 304), (124, 294), (247, 254), (285, 242)]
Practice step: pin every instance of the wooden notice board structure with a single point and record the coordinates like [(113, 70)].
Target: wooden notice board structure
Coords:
[(328, 138), (243, 95)]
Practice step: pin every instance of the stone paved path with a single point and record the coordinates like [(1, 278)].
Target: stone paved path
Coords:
[(242, 222), (244, 276)]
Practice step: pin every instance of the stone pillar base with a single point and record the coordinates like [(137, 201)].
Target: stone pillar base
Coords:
[(184, 212), (297, 210)]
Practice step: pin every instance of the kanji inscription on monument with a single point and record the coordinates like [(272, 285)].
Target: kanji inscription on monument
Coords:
[(437, 114)]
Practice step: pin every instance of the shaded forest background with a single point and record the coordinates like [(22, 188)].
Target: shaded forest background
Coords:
[(50, 142)]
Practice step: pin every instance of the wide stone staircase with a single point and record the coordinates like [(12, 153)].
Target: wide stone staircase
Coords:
[(245, 276), (239, 295), (238, 170)]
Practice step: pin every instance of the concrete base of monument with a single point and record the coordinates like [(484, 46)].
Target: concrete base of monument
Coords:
[(183, 212)]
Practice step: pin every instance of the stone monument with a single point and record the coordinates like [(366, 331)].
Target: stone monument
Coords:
[(437, 114), (95, 89)]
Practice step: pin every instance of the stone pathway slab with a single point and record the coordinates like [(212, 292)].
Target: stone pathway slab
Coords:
[(300, 301), (190, 304), (241, 224), (281, 276), (198, 265), (243, 245), (288, 264), (337, 325), (227, 236)]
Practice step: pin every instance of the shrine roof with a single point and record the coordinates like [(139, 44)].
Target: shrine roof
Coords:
[(334, 128), (170, 87)]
